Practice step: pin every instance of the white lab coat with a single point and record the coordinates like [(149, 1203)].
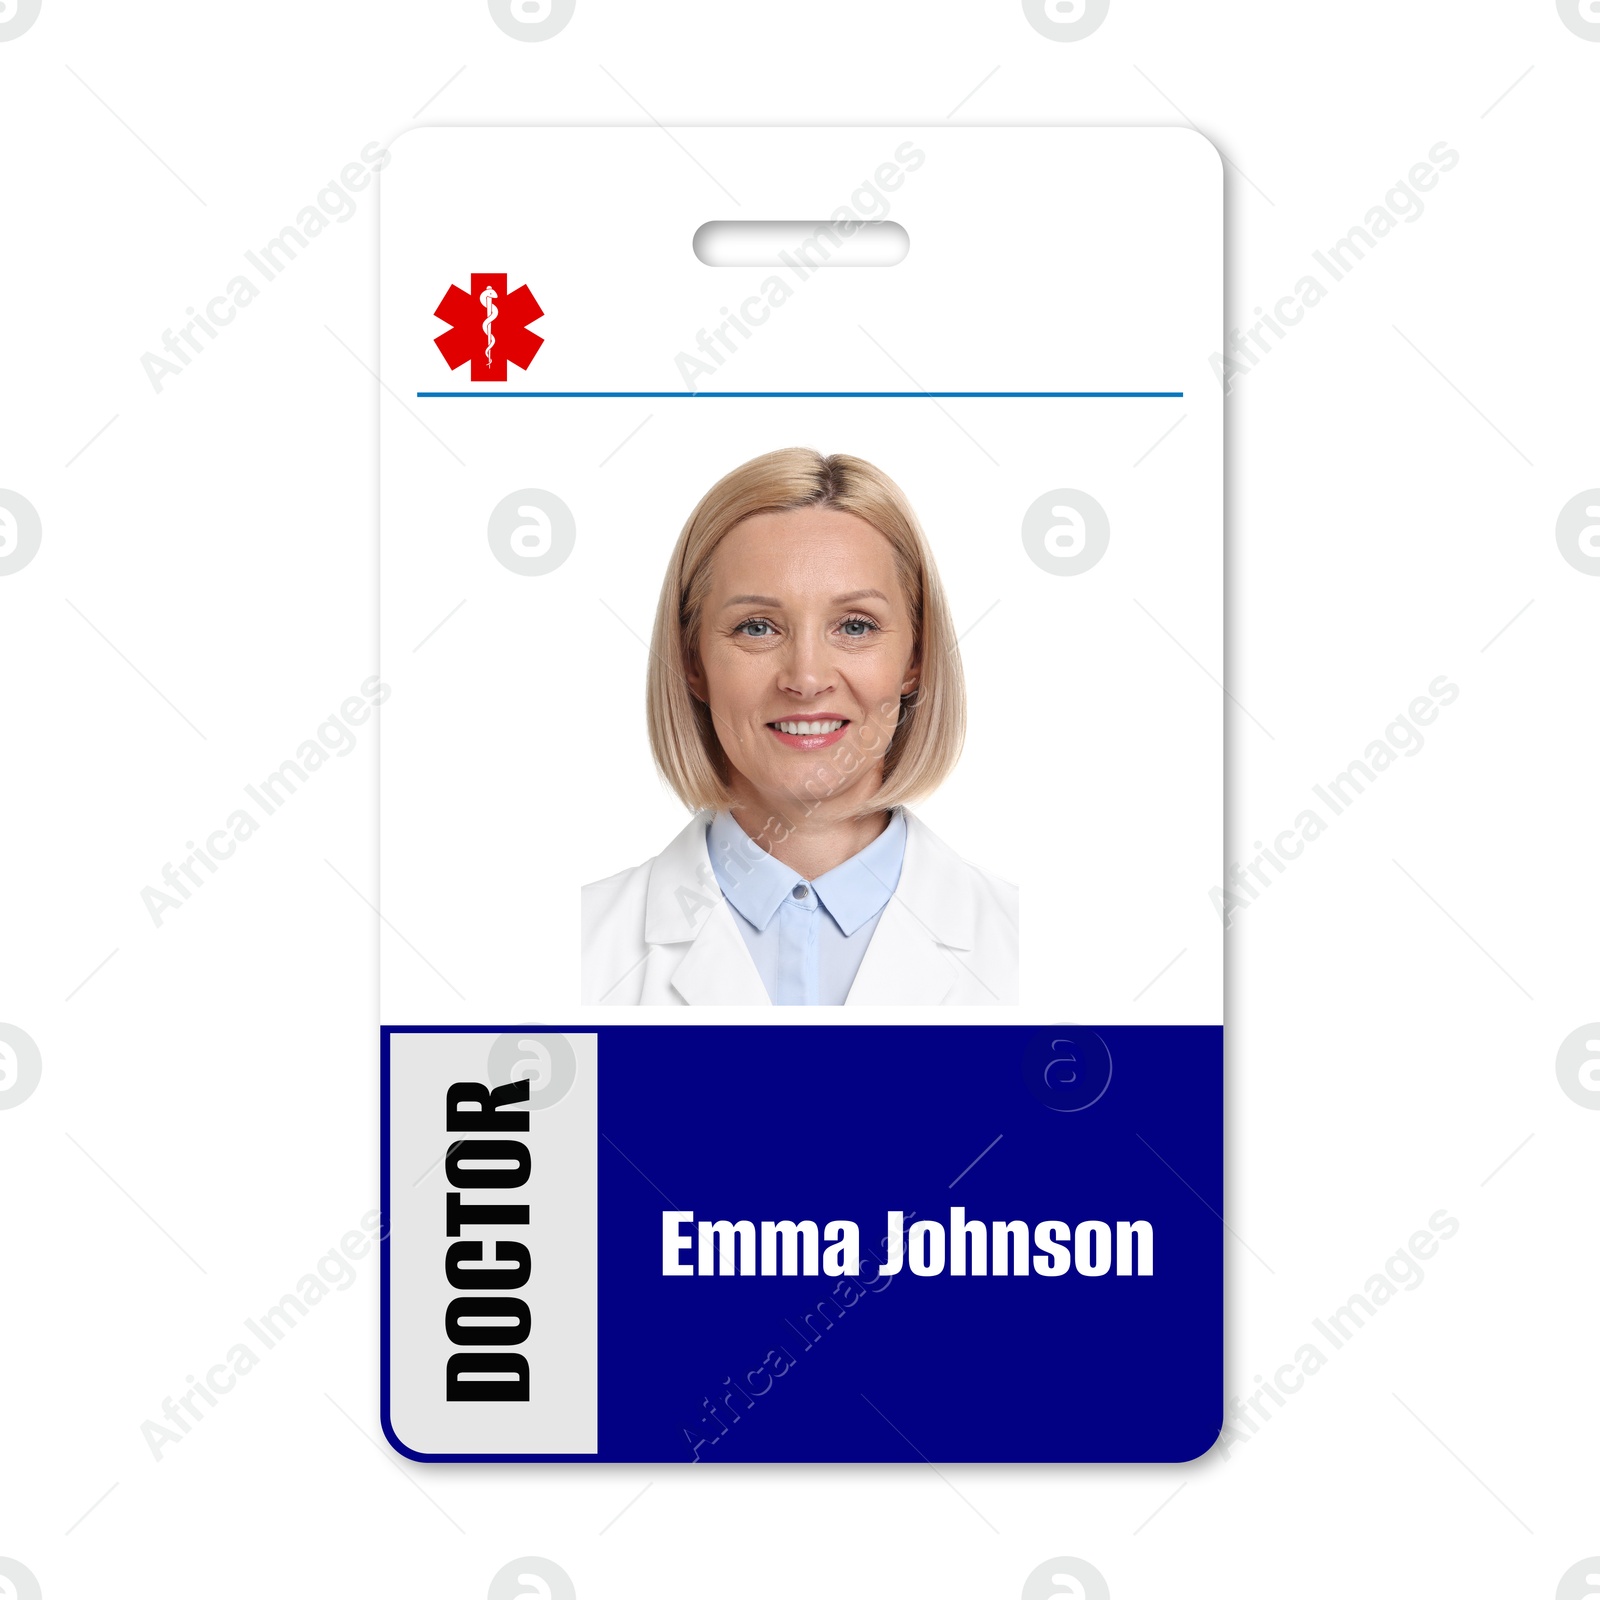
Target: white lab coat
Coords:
[(661, 934)]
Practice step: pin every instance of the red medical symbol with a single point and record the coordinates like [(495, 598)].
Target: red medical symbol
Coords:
[(488, 327)]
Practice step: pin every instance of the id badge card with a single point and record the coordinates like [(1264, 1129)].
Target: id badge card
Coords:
[(801, 611)]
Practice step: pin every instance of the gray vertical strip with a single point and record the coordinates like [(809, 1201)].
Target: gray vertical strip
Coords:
[(561, 1414)]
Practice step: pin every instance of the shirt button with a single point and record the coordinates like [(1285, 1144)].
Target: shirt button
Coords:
[(800, 891)]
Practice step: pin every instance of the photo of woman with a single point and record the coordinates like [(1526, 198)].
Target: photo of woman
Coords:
[(804, 686)]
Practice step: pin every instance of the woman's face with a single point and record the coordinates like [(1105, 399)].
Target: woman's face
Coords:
[(805, 649)]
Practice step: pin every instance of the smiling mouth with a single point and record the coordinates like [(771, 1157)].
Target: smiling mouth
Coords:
[(809, 733)]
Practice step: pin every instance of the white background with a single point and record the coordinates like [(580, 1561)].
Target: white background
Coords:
[(515, 765), (203, 1131)]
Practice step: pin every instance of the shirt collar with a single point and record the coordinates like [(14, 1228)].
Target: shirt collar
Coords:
[(858, 889), (753, 882), (756, 883)]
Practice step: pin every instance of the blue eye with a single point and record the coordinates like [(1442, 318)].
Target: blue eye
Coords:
[(755, 628), (858, 627)]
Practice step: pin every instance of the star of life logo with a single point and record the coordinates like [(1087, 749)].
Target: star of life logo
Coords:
[(488, 327)]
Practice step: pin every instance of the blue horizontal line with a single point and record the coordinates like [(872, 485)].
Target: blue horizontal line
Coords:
[(800, 394)]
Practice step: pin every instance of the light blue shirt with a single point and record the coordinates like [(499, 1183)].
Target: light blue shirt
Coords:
[(807, 939)]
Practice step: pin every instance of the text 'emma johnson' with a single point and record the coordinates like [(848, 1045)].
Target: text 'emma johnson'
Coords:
[(976, 1249)]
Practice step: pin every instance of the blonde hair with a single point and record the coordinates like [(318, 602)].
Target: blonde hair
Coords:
[(932, 719)]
